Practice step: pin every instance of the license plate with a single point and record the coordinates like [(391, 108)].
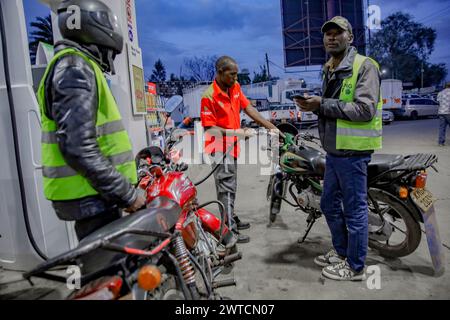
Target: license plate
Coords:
[(423, 198)]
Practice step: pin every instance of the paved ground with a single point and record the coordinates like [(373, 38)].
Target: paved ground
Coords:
[(276, 267)]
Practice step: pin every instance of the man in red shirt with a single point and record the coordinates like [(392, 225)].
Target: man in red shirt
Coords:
[(221, 105)]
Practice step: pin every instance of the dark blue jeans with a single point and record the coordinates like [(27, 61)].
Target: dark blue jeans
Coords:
[(444, 121), (344, 204)]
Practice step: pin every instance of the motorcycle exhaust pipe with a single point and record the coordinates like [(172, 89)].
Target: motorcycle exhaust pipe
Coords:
[(231, 258), (224, 283)]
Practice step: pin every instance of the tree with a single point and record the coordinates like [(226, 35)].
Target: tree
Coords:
[(173, 77), (261, 76), (201, 68), (41, 32), (159, 72), (434, 74), (401, 46)]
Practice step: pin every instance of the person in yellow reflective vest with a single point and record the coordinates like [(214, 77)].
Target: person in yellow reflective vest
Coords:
[(88, 165), (350, 128)]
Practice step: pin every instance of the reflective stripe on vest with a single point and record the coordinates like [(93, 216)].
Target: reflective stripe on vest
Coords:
[(61, 182), (107, 128), (360, 136), (66, 171)]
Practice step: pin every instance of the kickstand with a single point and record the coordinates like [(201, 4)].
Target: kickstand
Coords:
[(308, 229)]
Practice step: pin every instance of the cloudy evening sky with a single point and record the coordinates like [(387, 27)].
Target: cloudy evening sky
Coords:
[(245, 29)]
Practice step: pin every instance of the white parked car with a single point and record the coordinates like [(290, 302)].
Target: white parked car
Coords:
[(419, 107)]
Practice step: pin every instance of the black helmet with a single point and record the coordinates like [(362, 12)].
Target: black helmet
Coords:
[(98, 25)]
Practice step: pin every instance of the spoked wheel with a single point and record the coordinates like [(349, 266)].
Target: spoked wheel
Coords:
[(275, 188), (270, 187), (393, 231)]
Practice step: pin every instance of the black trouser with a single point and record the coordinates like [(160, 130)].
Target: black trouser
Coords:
[(226, 183), (86, 226), (90, 214)]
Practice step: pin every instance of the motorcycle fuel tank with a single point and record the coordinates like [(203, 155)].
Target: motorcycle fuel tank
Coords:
[(173, 185), (304, 160)]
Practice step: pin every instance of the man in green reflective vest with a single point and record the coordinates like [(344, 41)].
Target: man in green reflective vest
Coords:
[(350, 130), (88, 165)]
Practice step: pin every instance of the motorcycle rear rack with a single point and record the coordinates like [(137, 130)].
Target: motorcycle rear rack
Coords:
[(415, 162), (419, 161), (104, 243)]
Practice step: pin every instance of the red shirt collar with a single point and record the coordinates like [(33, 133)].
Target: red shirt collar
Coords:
[(219, 91)]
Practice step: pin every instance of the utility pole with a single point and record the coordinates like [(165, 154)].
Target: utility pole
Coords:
[(421, 75), (267, 63)]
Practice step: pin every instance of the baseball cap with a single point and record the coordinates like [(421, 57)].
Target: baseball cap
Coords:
[(338, 21)]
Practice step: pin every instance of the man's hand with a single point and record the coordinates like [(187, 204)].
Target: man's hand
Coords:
[(312, 103), (138, 203), (248, 133), (275, 132)]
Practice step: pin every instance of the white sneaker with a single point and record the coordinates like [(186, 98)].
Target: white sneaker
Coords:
[(343, 272), (328, 259)]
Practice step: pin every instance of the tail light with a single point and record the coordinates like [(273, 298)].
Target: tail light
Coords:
[(105, 288), (421, 180), (403, 192), (149, 277)]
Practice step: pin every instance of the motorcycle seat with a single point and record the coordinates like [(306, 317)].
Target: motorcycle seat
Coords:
[(383, 162)]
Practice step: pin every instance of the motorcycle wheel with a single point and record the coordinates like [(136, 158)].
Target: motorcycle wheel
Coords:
[(269, 187), (402, 222), (274, 201)]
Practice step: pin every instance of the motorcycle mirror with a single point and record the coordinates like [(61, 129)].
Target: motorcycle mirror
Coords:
[(173, 103), (177, 134), (170, 106)]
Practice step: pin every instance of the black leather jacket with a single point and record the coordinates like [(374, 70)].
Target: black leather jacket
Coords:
[(71, 99)]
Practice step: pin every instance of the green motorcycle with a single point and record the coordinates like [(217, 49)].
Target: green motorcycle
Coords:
[(397, 199)]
